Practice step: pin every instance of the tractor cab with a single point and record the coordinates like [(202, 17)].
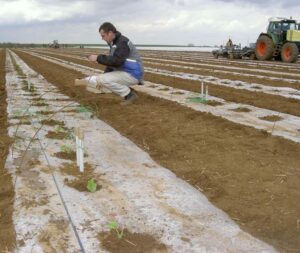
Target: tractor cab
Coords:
[(278, 28)]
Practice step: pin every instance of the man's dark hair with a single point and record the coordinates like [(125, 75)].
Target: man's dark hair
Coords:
[(107, 27)]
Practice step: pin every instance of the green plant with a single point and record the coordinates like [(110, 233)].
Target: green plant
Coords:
[(114, 226), (70, 136), (84, 109), (58, 129), (92, 185), (197, 100), (66, 149)]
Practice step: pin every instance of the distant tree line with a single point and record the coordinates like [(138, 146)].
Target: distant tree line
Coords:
[(12, 45), (25, 45)]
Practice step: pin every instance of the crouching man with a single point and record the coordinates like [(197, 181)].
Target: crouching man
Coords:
[(123, 66)]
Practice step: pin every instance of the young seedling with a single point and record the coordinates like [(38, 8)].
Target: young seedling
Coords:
[(70, 136), (66, 149), (114, 226), (86, 110), (58, 129), (92, 185)]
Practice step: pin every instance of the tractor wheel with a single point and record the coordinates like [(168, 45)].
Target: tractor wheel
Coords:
[(264, 48), (289, 52)]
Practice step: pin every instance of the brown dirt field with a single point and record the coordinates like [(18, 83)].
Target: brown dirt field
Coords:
[(251, 175), (199, 71), (258, 99), (231, 76), (7, 232), (207, 58), (244, 69), (197, 57), (131, 242)]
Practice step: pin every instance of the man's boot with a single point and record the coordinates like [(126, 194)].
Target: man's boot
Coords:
[(130, 98)]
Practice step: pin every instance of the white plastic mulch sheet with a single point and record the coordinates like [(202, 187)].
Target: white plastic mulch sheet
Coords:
[(144, 197)]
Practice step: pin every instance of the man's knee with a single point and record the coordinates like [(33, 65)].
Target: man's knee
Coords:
[(100, 81), (104, 79)]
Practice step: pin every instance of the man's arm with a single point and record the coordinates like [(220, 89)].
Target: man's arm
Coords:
[(94, 57), (119, 56)]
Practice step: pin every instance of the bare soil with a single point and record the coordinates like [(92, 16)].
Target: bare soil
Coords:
[(52, 122), (272, 118), (208, 70), (251, 175), (56, 135), (215, 66), (81, 178), (7, 232), (131, 242), (258, 99), (241, 109), (231, 76), (66, 155)]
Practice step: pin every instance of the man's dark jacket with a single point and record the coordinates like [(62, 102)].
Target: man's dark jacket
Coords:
[(123, 56)]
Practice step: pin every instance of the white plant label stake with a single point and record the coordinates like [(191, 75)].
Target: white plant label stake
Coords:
[(29, 84), (204, 87), (79, 148), (206, 93)]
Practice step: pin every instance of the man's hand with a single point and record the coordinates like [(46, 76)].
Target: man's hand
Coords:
[(92, 57)]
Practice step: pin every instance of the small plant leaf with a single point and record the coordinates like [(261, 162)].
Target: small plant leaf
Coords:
[(83, 109), (113, 225), (58, 129), (120, 234), (92, 185), (66, 149)]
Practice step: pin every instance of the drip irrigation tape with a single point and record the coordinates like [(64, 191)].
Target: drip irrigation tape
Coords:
[(62, 199)]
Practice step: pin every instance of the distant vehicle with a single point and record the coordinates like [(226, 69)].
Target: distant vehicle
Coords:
[(232, 51), (55, 44), (281, 41)]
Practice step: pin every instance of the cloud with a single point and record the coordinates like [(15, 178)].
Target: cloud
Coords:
[(143, 21), (25, 11)]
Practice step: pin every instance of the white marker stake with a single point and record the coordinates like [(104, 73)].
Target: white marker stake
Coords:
[(79, 148), (81, 165), (201, 89)]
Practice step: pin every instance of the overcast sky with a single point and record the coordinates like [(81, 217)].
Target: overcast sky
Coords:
[(172, 22)]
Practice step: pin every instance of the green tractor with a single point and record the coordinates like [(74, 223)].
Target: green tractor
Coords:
[(281, 42)]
